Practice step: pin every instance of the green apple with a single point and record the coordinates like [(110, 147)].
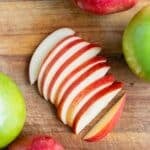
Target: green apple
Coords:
[(136, 43), (12, 110)]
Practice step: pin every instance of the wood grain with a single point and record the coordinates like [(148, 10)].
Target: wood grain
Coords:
[(24, 23)]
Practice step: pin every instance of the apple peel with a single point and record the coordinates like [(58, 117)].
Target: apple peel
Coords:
[(43, 49), (107, 122)]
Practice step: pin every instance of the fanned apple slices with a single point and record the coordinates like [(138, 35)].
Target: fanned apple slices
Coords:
[(107, 122), (84, 95), (44, 48), (55, 59), (68, 58), (95, 105), (94, 73), (72, 76)]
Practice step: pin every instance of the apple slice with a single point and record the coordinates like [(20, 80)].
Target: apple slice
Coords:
[(95, 105), (53, 55), (107, 122), (75, 74), (82, 98), (71, 64), (44, 48), (52, 68), (97, 71)]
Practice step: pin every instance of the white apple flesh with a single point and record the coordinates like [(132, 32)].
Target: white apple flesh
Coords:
[(81, 99), (74, 75), (95, 105), (44, 48), (51, 57), (107, 122), (97, 71), (52, 69), (71, 64)]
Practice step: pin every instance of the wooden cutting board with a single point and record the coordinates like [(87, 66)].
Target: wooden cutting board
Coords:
[(23, 24)]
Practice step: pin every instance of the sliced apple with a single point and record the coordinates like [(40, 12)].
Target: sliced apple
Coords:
[(71, 64), (75, 74), (82, 98), (51, 57), (97, 71), (107, 122), (54, 66), (95, 105), (44, 48)]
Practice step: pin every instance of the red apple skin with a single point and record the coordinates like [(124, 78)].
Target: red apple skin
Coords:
[(88, 62), (102, 81), (55, 59), (111, 124), (35, 143), (76, 83), (103, 7), (49, 55), (114, 86), (69, 61)]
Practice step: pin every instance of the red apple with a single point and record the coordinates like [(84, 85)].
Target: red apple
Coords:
[(35, 143), (103, 7), (75, 74), (95, 105), (107, 122), (44, 48), (55, 64), (79, 101), (94, 73)]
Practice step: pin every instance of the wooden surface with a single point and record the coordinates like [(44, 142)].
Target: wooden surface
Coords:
[(23, 24)]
